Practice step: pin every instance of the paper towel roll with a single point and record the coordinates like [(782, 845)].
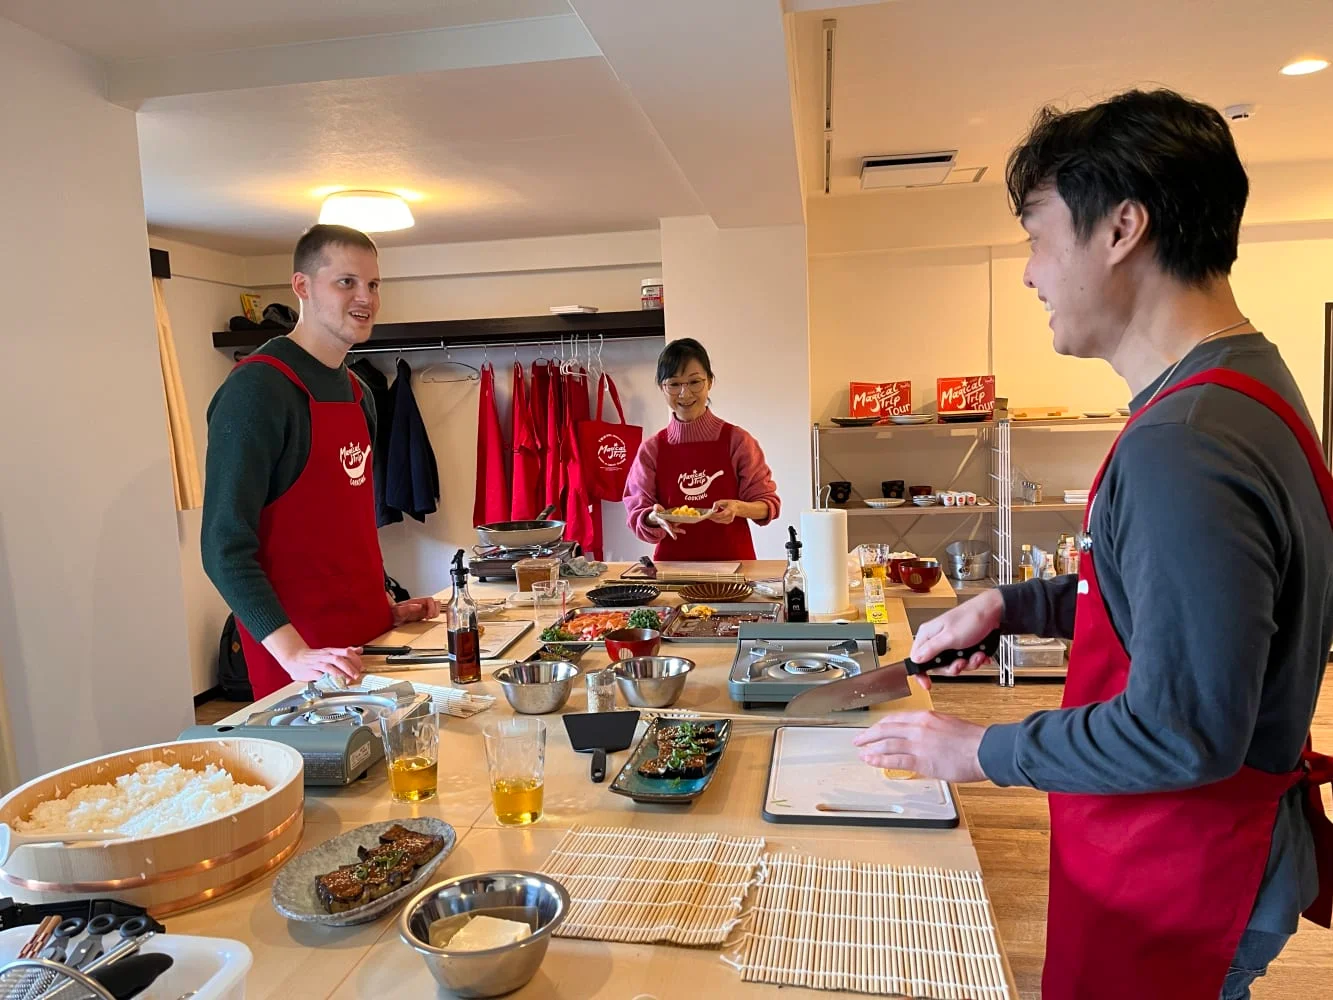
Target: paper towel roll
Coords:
[(824, 552)]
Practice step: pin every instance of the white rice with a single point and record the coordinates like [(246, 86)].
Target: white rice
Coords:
[(157, 798)]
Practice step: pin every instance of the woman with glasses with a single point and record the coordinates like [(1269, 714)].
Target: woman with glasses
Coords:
[(699, 461)]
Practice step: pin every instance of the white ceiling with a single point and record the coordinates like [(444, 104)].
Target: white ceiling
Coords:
[(526, 150), (925, 75), (141, 29)]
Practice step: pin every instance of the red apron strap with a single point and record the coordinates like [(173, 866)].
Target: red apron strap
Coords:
[(282, 366)]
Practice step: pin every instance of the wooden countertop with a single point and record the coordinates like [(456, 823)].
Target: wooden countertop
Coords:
[(298, 960)]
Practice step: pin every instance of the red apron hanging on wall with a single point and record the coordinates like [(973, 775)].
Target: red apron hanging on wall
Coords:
[(492, 497), (317, 542), (554, 472), (606, 449), (541, 386), (1150, 893), (527, 486), (583, 515)]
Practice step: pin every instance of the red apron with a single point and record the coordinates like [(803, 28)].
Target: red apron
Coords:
[(317, 542), (555, 466), (491, 504), (541, 387), (1149, 894), (526, 503), (697, 475), (583, 515)]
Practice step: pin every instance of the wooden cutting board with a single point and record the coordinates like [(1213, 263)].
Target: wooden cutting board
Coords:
[(694, 569)]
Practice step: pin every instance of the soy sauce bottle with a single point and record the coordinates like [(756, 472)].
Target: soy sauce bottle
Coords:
[(464, 636), (793, 582)]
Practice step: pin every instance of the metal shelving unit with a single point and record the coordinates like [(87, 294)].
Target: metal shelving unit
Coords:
[(997, 436)]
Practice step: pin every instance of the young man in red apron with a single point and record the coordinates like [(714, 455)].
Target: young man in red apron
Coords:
[(1187, 831), (698, 461), (289, 533)]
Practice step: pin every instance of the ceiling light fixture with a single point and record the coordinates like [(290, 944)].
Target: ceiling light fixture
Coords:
[(1304, 67), (368, 211)]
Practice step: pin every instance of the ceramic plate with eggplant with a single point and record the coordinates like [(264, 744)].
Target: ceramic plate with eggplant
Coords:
[(674, 762), (367, 854)]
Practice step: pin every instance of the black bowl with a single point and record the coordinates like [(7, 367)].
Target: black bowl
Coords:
[(623, 595)]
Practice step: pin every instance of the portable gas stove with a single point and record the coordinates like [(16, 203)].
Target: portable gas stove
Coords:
[(495, 562), (337, 734), (777, 661)]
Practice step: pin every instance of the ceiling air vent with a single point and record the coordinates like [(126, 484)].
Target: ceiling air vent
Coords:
[(906, 169)]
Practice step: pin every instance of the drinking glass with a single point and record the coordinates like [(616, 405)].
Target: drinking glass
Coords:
[(543, 591), (516, 760), (412, 753), (874, 561)]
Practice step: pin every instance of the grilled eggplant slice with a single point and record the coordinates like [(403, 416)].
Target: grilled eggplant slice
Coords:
[(420, 847)]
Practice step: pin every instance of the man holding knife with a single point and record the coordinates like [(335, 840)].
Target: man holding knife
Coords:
[(1187, 832), (289, 534)]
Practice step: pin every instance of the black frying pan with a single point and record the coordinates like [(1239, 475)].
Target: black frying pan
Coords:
[(519, 534)]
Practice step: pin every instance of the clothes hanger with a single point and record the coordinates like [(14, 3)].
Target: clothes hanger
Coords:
[(450, 362)]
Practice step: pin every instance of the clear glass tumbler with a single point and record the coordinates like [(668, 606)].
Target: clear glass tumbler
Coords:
[(516, 759), (412, 753)]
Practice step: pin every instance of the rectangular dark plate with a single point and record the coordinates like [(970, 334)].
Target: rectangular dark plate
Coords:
[(686, 629), (667, 615), (668, 791)]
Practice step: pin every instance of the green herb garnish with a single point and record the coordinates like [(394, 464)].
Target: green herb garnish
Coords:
[(645, 618), (554, 633)]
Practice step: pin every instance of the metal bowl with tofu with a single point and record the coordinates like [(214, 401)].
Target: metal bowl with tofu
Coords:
[(485, 935)]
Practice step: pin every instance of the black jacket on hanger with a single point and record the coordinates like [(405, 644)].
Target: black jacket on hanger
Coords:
[(412, 481), (379, 454)]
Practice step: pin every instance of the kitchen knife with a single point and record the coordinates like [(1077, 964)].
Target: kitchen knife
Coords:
[(386, 650), (885, 684)]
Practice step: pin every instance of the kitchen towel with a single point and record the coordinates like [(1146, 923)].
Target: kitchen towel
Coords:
[(824, 541), (412, 481)]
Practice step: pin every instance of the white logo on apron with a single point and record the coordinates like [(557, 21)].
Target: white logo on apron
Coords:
[(695, 484), (1082, 588), (354, 459)]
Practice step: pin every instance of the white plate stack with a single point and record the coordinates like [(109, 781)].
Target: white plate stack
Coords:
[(1077, 496)]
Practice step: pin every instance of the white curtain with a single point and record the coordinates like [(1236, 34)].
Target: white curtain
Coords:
[(184, 462)]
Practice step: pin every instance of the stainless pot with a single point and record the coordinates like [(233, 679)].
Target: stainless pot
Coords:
[(520, 534), (967, 560)]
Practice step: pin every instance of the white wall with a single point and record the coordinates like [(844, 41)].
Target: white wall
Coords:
[(742, 294), (201, 297), (92, 622)]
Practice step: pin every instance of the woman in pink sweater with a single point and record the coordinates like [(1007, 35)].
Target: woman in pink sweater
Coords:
[(698, 461)]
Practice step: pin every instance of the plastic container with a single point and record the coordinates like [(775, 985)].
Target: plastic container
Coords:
[(650, 293), (214, 967), (529, 571), (1031, 651)]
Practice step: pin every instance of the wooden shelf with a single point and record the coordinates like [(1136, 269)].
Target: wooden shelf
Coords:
[(1102, 423), (886, 430), (460, 333), (1047, 506)]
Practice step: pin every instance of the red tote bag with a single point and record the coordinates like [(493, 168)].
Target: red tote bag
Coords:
[(606, 450)]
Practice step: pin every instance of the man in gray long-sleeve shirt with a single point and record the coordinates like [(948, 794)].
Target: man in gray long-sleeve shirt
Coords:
[(1211, 540)]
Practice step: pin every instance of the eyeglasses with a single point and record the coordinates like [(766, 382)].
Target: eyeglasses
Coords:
[(695, 385)]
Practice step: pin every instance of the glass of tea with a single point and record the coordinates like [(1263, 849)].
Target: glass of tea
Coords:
[(874, 561), (412, 753), (516, 759)]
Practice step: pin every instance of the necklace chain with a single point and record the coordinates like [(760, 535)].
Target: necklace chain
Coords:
[(1216, 333)]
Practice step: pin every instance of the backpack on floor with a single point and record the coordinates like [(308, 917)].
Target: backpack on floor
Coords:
[(232, 675)]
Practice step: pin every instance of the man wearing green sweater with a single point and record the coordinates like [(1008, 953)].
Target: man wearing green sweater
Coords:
[(289, 533)]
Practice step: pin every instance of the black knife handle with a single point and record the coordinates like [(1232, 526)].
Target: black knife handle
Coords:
[(373, 650), (989, 645)]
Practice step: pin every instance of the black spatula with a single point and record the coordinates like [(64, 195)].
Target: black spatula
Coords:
[(598, 733)]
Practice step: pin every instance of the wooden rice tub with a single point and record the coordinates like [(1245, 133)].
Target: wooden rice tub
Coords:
[(169, 872)]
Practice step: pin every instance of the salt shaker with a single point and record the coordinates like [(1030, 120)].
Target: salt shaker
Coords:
[(601, 690)]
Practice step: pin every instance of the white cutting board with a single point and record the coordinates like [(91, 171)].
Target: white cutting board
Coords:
[(708, 568), (819, 764), (498, 637)]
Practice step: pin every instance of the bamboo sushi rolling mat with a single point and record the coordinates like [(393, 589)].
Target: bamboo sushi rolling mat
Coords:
[(839, 925), (636, 886)]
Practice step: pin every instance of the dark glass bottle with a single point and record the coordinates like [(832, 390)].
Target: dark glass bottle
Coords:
[(464, 636), (793, 582)]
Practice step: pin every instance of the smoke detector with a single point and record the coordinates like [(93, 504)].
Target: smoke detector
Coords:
[(906, 169), (1238, 112)]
